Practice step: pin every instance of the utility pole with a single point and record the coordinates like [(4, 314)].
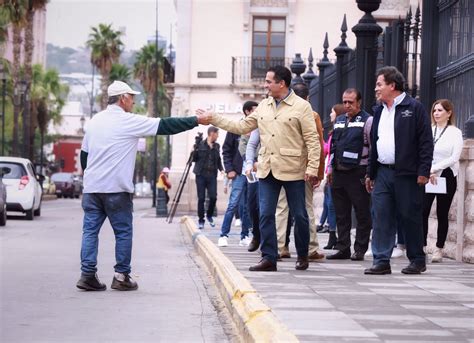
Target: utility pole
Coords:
[(155, 101)]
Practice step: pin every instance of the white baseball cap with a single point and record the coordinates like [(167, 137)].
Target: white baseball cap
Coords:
[(119, 88), (166, 170)]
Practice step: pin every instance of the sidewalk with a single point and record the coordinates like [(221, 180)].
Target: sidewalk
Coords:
[(333, 301), (176, 300)]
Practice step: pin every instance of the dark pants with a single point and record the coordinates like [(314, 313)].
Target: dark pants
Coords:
[(118, 208), (269, 191), (289, 224), (397, 200), (443, 204), (348, 190), (253, 210), (204, 183), (329, 213)]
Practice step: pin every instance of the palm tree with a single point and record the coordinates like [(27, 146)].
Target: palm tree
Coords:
[(146, 70), (106, 47), (34, 7), (15, 11), (120, 72), (48, 96)]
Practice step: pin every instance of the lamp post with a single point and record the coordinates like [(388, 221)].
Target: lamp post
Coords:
[(83, 120), (3, 77), (20, 90)]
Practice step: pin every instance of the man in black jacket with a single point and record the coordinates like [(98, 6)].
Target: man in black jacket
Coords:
[(207, 162), (399, 168)]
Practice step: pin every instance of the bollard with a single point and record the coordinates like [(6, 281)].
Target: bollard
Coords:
[(161, 206)]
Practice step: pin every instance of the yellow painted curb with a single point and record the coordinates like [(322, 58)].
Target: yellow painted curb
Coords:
[(255, 320)]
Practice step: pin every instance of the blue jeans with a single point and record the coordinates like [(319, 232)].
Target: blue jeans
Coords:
[(118, 207), (329, 212), (238, 192), (269, 191), (397, 203)]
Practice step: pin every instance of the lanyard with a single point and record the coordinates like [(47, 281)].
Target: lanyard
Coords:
[(435, 140)]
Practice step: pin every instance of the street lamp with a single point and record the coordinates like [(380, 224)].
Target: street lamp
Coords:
[(83, 120), (3, 77)]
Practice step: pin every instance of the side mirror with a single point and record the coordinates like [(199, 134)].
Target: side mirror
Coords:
[(4, 171)]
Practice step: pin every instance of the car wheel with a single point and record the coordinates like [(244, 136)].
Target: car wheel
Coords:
[(30, 214), (37, 212), (3, 216), (59, 196)]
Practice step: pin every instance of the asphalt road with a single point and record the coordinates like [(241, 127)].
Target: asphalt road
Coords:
[(39, 261)]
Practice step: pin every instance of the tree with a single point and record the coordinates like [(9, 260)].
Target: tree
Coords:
[(120, 72), (48, 96), (146, 70), (15, 11), (34, 6), (106, 47)]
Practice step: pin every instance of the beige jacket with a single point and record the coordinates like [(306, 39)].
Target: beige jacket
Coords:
[(289, 141)]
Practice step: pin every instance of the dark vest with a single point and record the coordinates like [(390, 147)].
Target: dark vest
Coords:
[(348, 141)]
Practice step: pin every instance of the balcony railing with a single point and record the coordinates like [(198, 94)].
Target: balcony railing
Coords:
[(252, 70)]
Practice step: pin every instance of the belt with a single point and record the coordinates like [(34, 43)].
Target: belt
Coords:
[(389, 166)]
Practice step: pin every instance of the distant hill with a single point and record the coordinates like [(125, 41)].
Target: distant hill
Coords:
[(68, 60)]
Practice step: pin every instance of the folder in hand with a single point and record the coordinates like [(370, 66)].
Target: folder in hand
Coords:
[(439, 188)]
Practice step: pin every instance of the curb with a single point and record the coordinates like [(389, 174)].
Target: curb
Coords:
[(255, 321)]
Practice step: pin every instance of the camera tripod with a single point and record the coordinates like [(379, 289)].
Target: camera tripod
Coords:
[(184, 177)]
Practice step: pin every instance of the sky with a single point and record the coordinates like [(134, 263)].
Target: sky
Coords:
[(69, 22)]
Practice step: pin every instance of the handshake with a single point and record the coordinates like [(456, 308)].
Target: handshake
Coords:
[(203, 117)]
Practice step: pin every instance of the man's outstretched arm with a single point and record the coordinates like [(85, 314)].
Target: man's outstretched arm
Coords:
[(173, 125)]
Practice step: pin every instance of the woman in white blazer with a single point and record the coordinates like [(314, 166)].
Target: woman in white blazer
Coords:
[(448, 143)]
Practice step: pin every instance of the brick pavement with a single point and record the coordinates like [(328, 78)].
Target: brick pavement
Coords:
[(333, 301)]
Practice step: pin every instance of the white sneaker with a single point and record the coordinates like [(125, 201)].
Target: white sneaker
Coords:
[(238, 223), (368, 253), (437, 255), (222, 242), (245, 242), (397, 253)]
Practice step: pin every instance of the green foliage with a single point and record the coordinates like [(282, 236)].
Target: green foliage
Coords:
[(120, 72), (106, 46), (146, 67)]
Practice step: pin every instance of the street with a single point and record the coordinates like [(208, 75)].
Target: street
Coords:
[(40, 265)]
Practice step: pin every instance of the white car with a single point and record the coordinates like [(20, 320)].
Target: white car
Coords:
[(24, 192)]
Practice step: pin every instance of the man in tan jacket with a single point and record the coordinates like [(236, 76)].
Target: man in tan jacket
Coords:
[(289, 156)]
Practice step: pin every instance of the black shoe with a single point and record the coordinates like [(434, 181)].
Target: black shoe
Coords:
[(264, 266), (332, 241), (357, 256), (378, 269), (211, 222), (322, 229), (414, 268), (340, 255), (302, 263), (201, 225), (128, 284), (90, 283), (254, 245)]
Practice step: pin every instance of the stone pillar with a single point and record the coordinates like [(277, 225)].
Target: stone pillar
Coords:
[(367, 32)]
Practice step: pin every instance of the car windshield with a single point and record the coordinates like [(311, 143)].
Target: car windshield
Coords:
[(61, 177), (16, 170)]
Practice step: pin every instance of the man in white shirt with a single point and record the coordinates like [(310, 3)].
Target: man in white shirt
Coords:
[(108, 155), (399, 167)]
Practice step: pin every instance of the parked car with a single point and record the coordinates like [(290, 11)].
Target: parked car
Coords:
[(3, 197), (24, 192), (48, 186), (66, 185)]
